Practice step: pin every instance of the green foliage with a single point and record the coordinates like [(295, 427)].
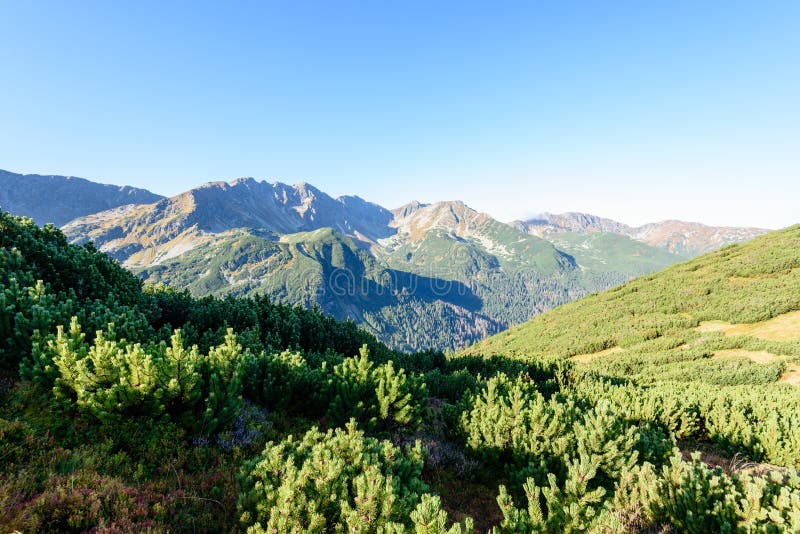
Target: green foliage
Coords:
[(110, 379), (135, 411), (43, 254), (571, 508), (285, 381), (429, 518), (275, 326), (222, 373), (510, 423), (761, 421), (338, 481), (695, 498), (113, 379), (381, 398)]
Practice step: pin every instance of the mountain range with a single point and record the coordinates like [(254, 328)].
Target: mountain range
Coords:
[(679, 237), (438, 275), (59, 199)]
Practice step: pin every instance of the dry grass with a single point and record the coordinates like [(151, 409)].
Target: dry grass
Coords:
[(585, 358), (738, 463), (756, 356), (714, 326), (784, 327), (791, 375)]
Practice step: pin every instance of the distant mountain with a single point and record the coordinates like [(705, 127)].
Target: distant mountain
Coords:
[(59, 199), (687, 239), (581, 223), (612, 254), (691, 238)]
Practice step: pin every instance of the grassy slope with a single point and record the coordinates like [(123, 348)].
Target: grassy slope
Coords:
[(604, 252), (655, 318)]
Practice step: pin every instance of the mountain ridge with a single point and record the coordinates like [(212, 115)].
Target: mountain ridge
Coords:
[(59, 199), (679, 237)]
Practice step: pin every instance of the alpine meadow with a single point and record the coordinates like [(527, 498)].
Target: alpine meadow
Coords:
[(546, 279)]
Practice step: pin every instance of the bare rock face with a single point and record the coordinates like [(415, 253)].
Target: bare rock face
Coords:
[(60, 199), (678, 237)]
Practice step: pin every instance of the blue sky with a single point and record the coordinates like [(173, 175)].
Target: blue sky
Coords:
[(638, 111)]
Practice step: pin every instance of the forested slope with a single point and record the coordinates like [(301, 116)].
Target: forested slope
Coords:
[(125, 409)]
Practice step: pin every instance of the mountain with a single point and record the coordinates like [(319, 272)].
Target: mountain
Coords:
[(612, 254), (687, 239), (690, 238), (148, 234), (581, 223), (59, 199)]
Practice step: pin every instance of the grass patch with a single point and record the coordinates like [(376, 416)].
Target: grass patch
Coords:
[(784, 327), (584, 358), (752, 355)]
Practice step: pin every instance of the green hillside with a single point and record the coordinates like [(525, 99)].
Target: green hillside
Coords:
[(744, 283), (326, 269), (613, 254), (130, 409)]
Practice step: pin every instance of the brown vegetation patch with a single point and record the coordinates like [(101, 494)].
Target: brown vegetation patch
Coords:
[(791, 375), (713, 457), (781, 328)]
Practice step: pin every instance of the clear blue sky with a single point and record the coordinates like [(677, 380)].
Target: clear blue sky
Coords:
[(634, 110)]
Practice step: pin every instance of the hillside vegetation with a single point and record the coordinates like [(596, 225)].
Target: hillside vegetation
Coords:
[(745, 283), (130, 409)]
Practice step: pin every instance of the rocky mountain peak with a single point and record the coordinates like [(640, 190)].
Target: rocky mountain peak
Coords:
[(408, 209)]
